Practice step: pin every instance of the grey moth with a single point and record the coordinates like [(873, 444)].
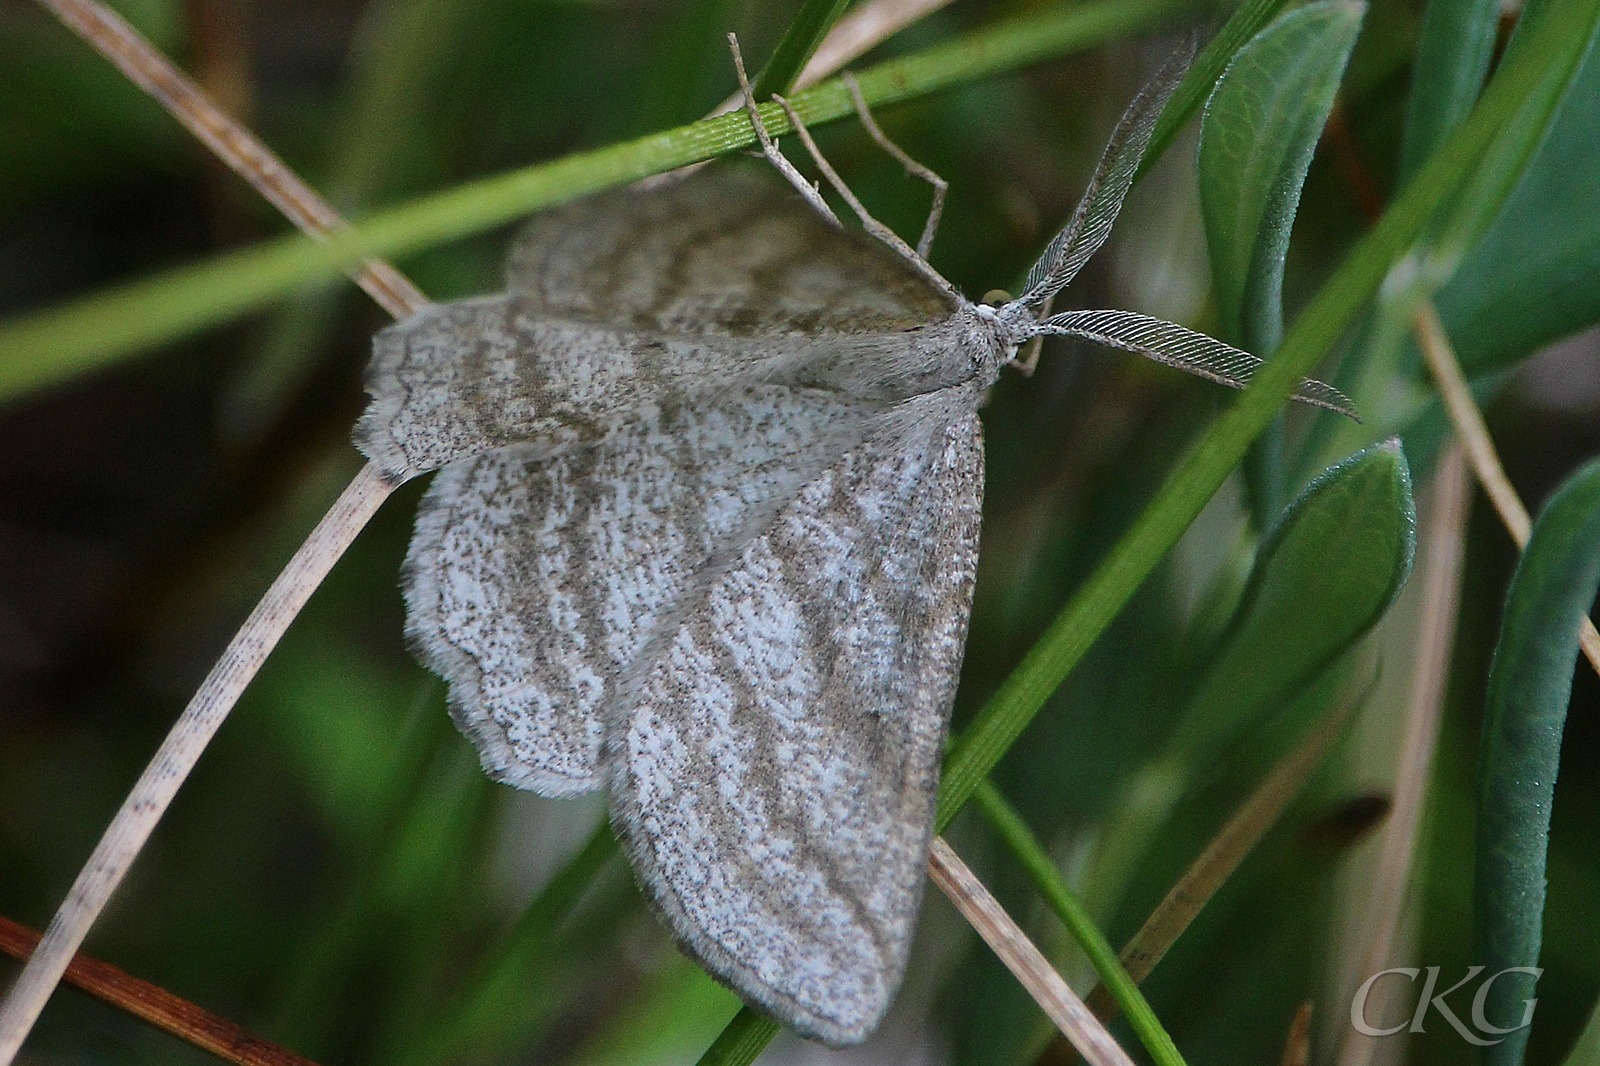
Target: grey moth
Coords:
[(703, 535)]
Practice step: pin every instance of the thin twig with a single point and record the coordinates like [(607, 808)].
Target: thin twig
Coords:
[(1443, 556), (852, 37), (1297, 1045), (133, 823), (236, 146), (151, 1003), (1222, 856), (178, 754), (862, 30), (1474, 434), (1022, 958)]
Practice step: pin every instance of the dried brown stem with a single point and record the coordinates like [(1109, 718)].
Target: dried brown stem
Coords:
[(1297, 1045), (1222, 856), (112, 37), (1443, 555), (863, 29), (133, 823), (178, 754), (154, 1004), (1023, 958), (1474, 434)]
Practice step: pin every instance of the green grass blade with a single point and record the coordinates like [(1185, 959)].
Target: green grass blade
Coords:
[(1530, 685), (1560, 38), (50, 346), (1050, 884), (1525, 283), (744, 1038), (1453, 51), (796, 47)]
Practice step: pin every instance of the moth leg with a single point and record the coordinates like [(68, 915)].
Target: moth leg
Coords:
[(769, 147), (868, 223), (913, 168), (1027, 361)]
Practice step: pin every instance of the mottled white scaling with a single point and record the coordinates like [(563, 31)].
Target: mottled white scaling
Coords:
[(704, 534)]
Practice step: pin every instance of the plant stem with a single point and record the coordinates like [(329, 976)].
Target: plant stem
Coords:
[(1050, 884), (151, 1003), (1443, 556), (1023, 958), (1474, 433), (145, 66), (185, 743)]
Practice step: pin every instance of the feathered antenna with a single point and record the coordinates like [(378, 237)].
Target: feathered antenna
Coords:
[(1153, 338), (1102, 200)]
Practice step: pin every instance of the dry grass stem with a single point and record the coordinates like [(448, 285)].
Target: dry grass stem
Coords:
[(154, 1004), (1222, 856), (1022, 958), (1297, 1045), (1470, 427), (1442, 557), (133, 823), (124, 46), (859, 32), (178, 754), (852, 37)]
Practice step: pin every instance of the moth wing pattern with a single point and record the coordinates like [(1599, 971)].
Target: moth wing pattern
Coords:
[(725, 250), (629, 299), (774, 778), (533, 582)]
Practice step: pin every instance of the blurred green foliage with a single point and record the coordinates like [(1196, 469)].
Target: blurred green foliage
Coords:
[(340, 877)]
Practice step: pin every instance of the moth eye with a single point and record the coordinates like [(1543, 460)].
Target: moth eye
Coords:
[(997, 297)]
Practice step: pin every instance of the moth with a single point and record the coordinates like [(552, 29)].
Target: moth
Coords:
[(703, 534)]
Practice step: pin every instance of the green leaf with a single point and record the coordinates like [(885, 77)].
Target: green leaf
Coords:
[(1243, 24), (797, 46), (1530, 684), (1558, 43), (45, 347), (1260, 129), (1256, 140), (1529, 281), (1323, 576), (1453, 51)]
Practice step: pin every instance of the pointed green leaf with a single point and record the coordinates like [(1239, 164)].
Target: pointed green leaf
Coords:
[(1256, 141), (1245, 22), (1530, 684)]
